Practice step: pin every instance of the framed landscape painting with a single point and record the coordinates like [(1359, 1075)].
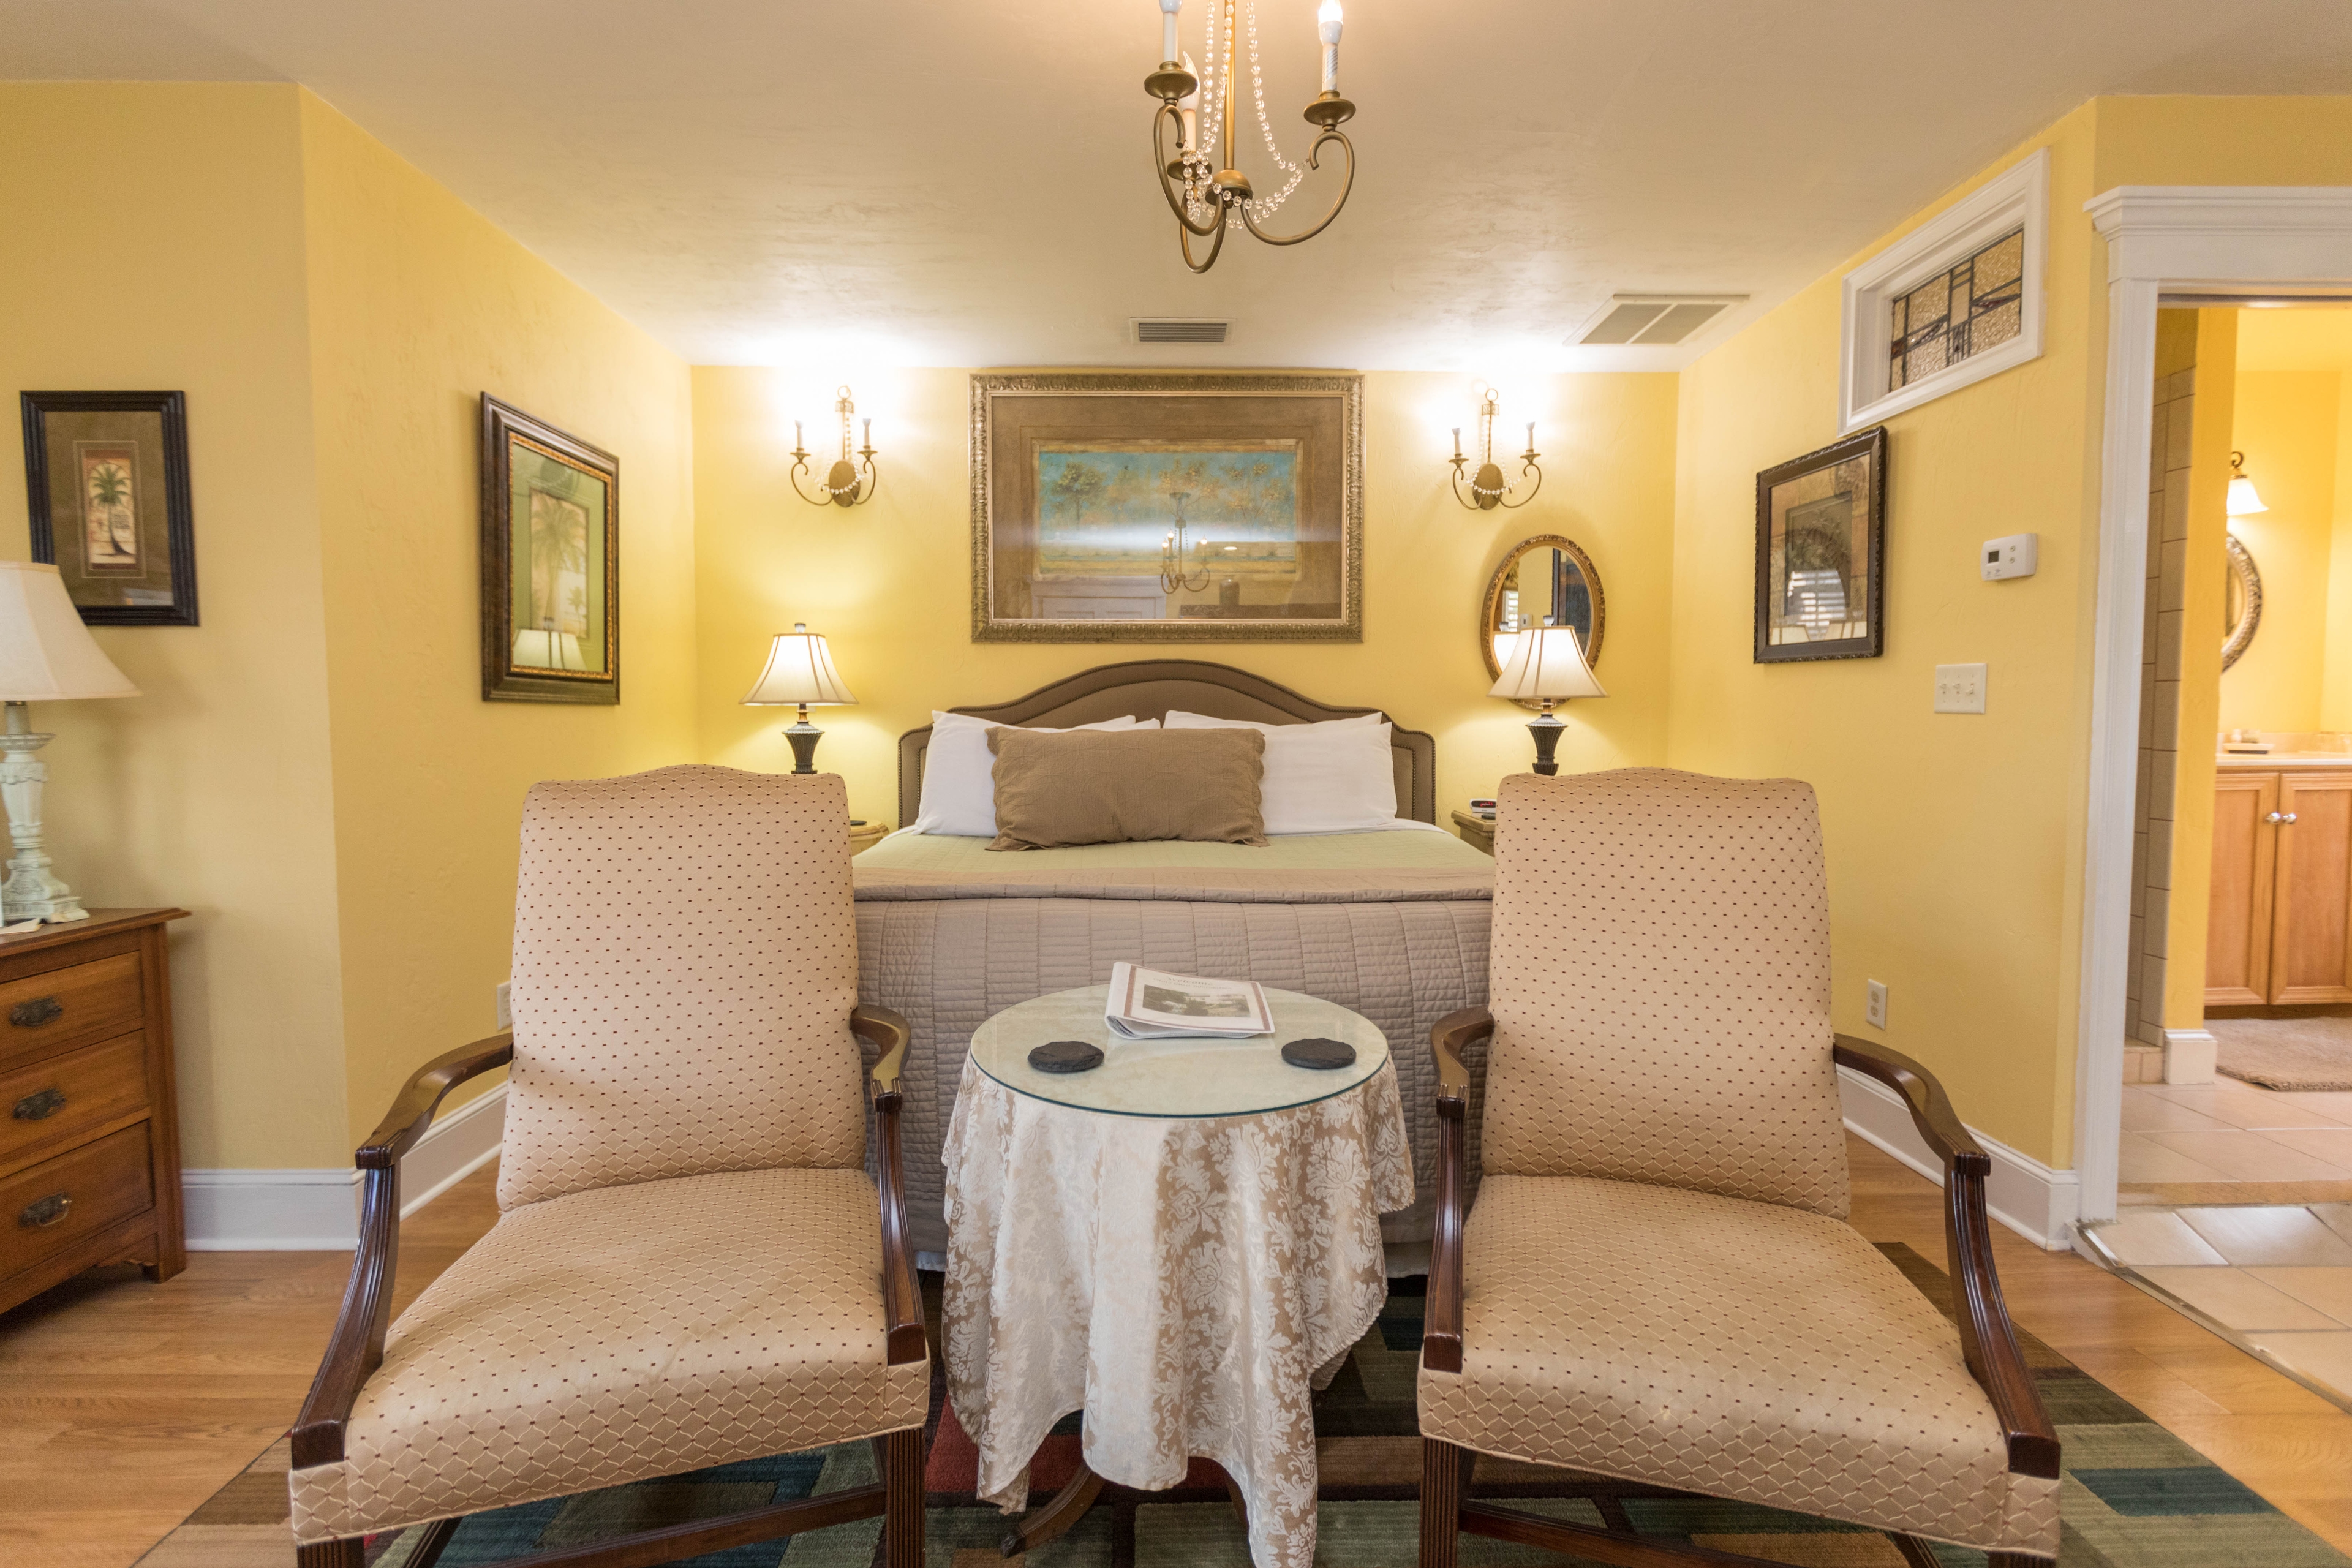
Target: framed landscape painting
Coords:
[(1821, 542), (106, 476), (1151, 508), (550, 562)]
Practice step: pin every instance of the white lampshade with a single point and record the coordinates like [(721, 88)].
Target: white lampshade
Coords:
[(1548, 663), (2243, 500), (800, 669), (46, 653)]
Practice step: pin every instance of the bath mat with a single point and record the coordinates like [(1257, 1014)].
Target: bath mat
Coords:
[(2296, 1055)]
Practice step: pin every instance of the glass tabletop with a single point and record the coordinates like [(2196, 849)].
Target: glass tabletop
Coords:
[(1179, 1078)]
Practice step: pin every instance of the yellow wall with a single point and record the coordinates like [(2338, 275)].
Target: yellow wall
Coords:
[(417, 306), (1952, 839), (156, 242), (2288, 423), (888, 582)]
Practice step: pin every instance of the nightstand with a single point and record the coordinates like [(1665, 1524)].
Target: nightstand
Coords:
[(89, 1154), (865, 835), (1478, 832)]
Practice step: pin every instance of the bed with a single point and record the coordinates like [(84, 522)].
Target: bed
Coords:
[(1392, 924)]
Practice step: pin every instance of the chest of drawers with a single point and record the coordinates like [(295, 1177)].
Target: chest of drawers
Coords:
[(89, 1144)]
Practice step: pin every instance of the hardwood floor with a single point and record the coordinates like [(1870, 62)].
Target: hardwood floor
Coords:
[(123, 1406)]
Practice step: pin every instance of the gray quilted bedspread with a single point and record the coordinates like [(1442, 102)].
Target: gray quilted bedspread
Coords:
[(948, 962)]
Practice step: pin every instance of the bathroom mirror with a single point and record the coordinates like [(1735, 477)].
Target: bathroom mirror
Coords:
[(1546, 575), (2241, 610)]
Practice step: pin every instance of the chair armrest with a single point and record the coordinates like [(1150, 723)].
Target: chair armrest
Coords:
[(1440, 1337), (355, 1349), (1987, 1339), (902, 1306)]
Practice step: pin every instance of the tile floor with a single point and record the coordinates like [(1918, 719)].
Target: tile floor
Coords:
[(2273, 1278), (2181, 1143)]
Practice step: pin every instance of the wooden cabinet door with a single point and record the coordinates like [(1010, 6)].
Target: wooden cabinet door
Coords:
[(2311, 924), (2238, 930)]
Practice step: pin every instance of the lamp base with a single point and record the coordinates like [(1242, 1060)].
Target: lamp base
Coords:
[(803, 737), (1546, 730), (33, 890)]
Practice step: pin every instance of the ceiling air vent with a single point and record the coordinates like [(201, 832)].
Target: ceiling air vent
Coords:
[(1178, 330), (1653, 320)]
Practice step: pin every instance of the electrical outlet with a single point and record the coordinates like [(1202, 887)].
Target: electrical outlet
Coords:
[(506, 1012), (1873, 1012), (1960, 688)]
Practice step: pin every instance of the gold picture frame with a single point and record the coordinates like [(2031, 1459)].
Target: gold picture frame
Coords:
[(1080, 488), (551, 594)]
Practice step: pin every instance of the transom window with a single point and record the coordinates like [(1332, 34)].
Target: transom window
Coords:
[(1974, 306)]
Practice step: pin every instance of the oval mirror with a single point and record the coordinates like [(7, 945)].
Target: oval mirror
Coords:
[(2242, 611), (1544, 577)]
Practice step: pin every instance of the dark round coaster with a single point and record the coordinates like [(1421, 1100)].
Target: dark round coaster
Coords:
[(1067, 1056), (1320, 1055)]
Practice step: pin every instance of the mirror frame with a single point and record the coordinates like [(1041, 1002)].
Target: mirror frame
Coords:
[(2250, 583), (1493, 600)]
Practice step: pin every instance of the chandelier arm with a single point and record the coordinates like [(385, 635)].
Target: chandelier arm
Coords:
[(1473, 502), (1185, 239), (1515, 505), (1314, 161), (821, 499), (1160, 166), (873, 482)]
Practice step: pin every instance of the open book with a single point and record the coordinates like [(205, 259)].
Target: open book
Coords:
[(1147, 1004)]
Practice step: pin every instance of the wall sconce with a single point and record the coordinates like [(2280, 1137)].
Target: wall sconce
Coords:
[(846, 483), (1487, 490), (2244, 501)]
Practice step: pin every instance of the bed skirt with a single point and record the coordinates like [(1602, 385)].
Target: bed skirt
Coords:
[(948, 964)]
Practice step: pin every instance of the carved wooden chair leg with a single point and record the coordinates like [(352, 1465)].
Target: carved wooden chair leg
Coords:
[(902, 1481), (1445, 1475), (1069, 1505), (1233, 1495), (349, 1553)]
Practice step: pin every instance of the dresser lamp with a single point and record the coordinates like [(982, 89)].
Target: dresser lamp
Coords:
[(799, 671), (46, 655), (1547, 666)]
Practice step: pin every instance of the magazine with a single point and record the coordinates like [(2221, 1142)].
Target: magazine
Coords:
[(1148, 1004)]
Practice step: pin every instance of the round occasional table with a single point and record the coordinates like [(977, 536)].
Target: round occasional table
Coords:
[(1183, 1242)]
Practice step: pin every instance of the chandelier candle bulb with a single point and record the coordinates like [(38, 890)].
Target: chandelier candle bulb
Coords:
[(1168, 10), (1327, 27)]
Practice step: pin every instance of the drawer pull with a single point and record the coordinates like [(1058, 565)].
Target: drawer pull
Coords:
[(34, 1014), (36, 1107), (45, 1212)]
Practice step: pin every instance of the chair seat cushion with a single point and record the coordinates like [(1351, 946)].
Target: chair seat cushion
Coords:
[(621, 1333), (1711, 1344)]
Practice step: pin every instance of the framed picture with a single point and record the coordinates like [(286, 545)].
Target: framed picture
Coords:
[(550, 562), (1820, 540), (106, 476), (1167, 508)]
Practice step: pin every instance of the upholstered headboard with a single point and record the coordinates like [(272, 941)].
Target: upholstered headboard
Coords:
[(1150, 688)]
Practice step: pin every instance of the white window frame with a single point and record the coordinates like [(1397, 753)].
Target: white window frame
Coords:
[(2017, 197)]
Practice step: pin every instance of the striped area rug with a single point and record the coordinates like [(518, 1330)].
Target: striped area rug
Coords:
[(2135, 1497)]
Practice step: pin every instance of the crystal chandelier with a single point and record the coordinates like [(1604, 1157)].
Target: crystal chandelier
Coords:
[(1209, 195)]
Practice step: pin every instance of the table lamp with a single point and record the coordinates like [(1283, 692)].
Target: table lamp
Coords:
[(1547, 665), (800, 671), (45, 655)]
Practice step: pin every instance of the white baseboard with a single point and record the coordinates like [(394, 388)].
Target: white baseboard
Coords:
[(2037, 1203), (317, 1211)]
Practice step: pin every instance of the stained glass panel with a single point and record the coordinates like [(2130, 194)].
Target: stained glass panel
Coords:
[(1959, 313)]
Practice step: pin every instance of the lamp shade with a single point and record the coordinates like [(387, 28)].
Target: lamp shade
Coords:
[(800, 669), (1548, 663), (2244, 500), (46, 653)]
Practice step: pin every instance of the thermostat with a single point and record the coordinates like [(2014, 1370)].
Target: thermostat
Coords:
[(2013, 555)]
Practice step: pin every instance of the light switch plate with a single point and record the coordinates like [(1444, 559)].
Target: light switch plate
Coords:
[(1960, 688), (506, 1012), (1873, 1011), (2010, 555)]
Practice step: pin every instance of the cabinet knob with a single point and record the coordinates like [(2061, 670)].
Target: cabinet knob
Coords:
[(2290, 819), (2274, 817)]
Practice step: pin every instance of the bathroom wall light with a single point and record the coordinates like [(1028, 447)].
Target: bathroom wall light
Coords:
[(2244, 501)]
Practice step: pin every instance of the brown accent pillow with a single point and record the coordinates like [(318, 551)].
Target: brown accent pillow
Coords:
[(1113, 787)]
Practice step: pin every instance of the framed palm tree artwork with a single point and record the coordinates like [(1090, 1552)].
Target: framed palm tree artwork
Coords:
[(550, 562), (106, 476)]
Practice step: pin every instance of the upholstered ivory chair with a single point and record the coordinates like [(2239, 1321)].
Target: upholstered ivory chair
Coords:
[(1657, 1281), (691, 1265)]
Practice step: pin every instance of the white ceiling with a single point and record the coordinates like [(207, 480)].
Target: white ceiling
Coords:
[(914, 182)]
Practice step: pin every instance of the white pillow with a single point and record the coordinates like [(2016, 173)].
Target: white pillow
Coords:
[(1336, 776), (960, 774)]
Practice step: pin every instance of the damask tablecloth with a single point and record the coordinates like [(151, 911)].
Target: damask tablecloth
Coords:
[(1188, 1282)]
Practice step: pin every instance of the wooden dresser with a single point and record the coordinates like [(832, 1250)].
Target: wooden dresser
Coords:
[(89, 1147)]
